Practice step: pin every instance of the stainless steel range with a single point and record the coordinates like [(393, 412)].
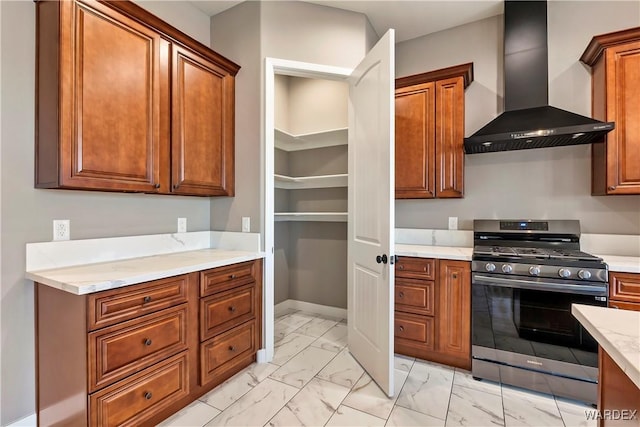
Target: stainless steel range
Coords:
[(525, 276)]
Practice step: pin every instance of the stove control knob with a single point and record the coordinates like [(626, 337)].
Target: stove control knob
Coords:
[(534, 271), (584, 274), (564, 273), (490, 267), (506, 268)]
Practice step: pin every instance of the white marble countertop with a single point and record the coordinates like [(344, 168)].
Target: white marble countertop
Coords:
[(89, 278), (441, 252), (617, 332), (622, 264)]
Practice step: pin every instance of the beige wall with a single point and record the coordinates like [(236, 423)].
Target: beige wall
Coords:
[(543, 183), (27, 213)]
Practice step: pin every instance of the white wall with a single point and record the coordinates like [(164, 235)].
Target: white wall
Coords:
[(542, 183), (26, 213)]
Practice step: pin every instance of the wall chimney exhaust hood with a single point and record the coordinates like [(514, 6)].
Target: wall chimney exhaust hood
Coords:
[(528, 120)]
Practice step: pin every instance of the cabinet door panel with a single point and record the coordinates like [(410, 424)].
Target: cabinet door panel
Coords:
[(449, 137), (454, 309), (111, 98), (415, 149), (623, 107), (624, 286), (202, 136)]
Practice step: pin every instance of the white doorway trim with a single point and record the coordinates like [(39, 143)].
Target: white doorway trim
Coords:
[(286, 67)]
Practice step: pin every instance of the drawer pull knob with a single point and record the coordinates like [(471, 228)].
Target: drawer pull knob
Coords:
[(147, 342), (401, 328), (401, 294), (612, 187), (156, 186), (455, 275), (400, 267), (232, 276), (148, 395), (614, 306), (232, 309), (232, 348), (146, 299)]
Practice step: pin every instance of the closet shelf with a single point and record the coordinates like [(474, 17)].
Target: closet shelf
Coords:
[(311, 216), (318, 181), (329, 138)]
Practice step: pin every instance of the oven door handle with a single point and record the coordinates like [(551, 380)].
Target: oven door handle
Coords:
[(567, 288)]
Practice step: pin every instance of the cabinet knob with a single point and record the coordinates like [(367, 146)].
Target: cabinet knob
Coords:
[(232, 348), (400, 267), (175, 186), (401, 328), (148, 395), (454, 275), (232, 276), (146, 299), (232, 309), (612, 187), (156, 186), (147, 342), (614, 306), (401, 294)]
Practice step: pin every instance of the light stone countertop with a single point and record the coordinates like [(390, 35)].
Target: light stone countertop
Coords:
[(617, 332), (441, 252), (89, 278), (623, 264)]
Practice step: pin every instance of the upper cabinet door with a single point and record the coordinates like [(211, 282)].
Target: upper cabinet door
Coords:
[(450, 137), (202, 144), (415, 142), (371, 213), (107, 95)]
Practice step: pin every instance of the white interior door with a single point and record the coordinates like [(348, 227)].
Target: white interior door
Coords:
[(371, 212)]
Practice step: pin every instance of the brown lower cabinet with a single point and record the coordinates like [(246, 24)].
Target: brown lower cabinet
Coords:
[(135, 355), (433, 310)]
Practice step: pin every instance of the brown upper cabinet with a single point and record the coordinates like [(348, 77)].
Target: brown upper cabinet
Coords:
[(429, 135), (126, 102), (615, 97)]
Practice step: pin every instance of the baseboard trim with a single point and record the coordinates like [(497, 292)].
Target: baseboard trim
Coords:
[(309, 307), (28, 421)]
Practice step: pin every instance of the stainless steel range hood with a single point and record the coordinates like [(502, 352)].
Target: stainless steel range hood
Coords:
[(529, 121)]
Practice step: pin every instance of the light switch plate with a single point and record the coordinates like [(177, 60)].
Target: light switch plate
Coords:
[(182, 225), (453, 223), (246, 224)]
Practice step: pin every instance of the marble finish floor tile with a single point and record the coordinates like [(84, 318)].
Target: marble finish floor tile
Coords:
[(366, 396), (574, 414), (312, 406), (349, 417), (196, 414), (403, 417), (472, 407), (427, 389), (342, 370), (403, 363), (335, 339), (305, 365), (235, 387), (528, 408), (316, 327), (256, 407), (464, 378), (289, 346)]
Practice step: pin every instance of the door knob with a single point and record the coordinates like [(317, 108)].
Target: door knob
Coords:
[(381, 259)]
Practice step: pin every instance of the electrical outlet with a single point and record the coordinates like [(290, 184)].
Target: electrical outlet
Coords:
[(246, 224), (182, 225), (61, 229), (453, 223)]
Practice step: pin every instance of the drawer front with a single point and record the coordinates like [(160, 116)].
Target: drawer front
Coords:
[(415, 296), (623, 305), (121, 350), (219, 352), (224, 278), (111, 307), (417, 329), (416, 268), (132, 401), (225, 310), (624, 286)]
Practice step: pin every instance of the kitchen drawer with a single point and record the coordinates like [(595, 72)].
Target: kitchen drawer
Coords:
[(226, 350), (224, 278), (126, 348), (414, 329), (132, 401), (416, 268), (110, 307), (623, 305), (415, 296), (225, 310), (624, 286)]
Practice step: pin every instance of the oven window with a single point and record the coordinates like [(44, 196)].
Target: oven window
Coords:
[(535, 323)]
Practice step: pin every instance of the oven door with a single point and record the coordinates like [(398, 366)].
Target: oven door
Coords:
[(527, 322)]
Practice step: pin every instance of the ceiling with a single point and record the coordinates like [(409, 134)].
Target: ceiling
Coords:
[(410, 18)]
